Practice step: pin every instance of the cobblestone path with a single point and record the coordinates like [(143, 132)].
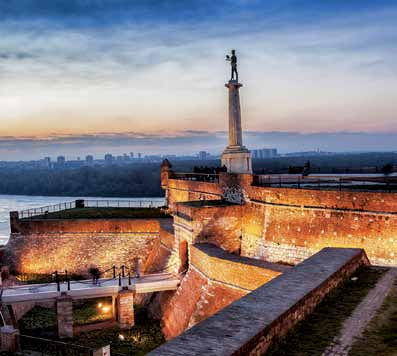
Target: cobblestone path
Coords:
[(364, 312)]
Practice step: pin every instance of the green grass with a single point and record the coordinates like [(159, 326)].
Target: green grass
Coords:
[(40, 322), (138, 341), (106, 213), (88, 312), (37, 278), (313, 334), (380, 336)]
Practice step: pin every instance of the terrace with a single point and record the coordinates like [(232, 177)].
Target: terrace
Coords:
[(98, 209)]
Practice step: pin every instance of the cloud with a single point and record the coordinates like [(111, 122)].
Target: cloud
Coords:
[(307, 66), (188, 142)]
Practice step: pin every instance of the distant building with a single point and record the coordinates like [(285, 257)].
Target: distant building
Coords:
[(108, 158), (132, 155), (203, 155), (61, 160), (47, 162), (89, 159), (264, 153), (139, 155)]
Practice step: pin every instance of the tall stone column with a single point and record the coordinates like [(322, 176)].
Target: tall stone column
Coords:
[(236, 157), (235, 134)]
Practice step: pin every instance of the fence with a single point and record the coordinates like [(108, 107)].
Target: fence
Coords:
[(366, 183), (200, 177), (47, 347), (123, 203), (45, 210)]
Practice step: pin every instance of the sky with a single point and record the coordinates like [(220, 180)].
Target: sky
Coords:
[(84, 77)]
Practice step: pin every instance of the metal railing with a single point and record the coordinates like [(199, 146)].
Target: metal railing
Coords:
[(366, 183), (44, 210), (90, 203), (199, 177), (144, 203), (47, 347)]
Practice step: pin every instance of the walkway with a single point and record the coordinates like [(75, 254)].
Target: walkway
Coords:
[(86, 289), (362, 315)]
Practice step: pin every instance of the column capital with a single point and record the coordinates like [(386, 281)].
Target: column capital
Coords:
[(233, 84)]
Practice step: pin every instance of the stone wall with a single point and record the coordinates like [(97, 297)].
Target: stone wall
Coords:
[(214, 280), (185, 190), (289, 225), (251, 324), (292, 224), (44, 246)]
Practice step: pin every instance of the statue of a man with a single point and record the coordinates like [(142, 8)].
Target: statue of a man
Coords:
[(233, 62)]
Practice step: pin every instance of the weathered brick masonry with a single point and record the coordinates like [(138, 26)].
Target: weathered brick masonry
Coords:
[(43, 246), (214, 280), (289, 225)]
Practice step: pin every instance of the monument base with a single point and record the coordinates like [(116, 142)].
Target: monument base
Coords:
[(237, 161)]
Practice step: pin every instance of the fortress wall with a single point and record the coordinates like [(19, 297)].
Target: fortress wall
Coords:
[(185, 190), (290, 228), (38, 226), (233, 270), (214, 280), (345, 200), (76, 245), (251, 324), (219, 225)]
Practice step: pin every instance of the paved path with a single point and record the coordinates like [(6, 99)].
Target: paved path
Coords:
[(364, 312)]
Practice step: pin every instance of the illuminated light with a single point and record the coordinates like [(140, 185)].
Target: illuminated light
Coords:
[(121, 337), (106, 309), (99, 305)]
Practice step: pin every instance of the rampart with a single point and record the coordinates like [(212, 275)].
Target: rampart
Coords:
[(215, 279), (46, 245), (251, 324), (289, 225)]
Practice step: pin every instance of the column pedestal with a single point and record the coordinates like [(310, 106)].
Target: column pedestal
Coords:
[(9, 339), (65, 317), (125, 309)]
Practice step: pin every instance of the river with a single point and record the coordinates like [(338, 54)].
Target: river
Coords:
[(21, 202)]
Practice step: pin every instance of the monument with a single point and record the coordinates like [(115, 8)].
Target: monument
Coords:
[(236, 157)]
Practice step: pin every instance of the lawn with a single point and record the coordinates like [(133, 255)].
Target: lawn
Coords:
[(106, 213), (139, 340), (92, 311), (312, 335), (380, 336)]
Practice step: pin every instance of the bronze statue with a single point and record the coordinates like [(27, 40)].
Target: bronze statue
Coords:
[(233, 62)]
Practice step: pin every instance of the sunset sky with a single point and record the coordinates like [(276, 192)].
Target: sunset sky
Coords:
[(81, 76)]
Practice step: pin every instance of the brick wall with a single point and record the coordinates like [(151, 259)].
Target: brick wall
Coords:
[(214, 280), (289, 225), (250, 325), (185, 190), (80, 244)]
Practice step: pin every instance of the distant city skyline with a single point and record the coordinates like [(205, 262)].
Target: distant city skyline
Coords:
[(94, 76)]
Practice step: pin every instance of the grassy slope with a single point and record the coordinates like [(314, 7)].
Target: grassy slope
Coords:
[(106, 213), (312, 335), (380, 337)]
